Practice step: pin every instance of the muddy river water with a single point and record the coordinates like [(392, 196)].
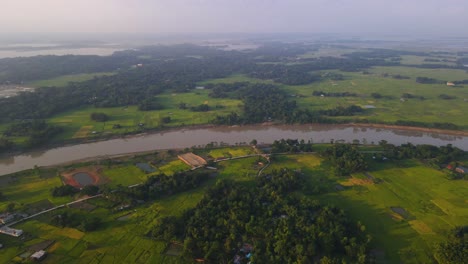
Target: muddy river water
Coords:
[(193, 137)]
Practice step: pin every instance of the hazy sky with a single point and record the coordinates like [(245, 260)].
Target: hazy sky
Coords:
[(442, 17)]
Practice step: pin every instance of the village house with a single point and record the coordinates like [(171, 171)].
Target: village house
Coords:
[(11, 231), (450, 84), (6, 218), (39, 255), (461, 169)]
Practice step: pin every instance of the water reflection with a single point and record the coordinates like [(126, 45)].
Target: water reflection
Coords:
[(230, 135)]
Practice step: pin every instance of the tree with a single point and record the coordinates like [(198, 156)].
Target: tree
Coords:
[(2, 196), (90, 190), (166, 120), (99, 117), (253, 142), (91, 224), (64, 190), (455, 249)]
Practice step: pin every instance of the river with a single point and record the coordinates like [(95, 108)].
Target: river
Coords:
[(190, 137)]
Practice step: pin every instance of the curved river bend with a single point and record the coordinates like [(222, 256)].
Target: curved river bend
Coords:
[(194, 137)]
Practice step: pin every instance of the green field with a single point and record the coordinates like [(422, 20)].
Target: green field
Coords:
[(418, 60), (77, 123), (388, 109), (66, 79), (432, 203)]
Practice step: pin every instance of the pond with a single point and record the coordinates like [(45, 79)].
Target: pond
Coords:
[(83, 178)]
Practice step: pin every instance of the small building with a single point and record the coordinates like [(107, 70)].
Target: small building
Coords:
[(39, 255), (450, 84), (11, 231), (192, 160), (200, 88), (461, 169), (6, 218)]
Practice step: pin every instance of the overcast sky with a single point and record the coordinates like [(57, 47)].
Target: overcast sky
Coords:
[(414, 17)]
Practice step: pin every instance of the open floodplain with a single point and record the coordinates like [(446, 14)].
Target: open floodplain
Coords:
[(405, 205)]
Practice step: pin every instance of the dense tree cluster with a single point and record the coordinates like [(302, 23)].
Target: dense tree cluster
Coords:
[(64, 190), (460, 82), (345, 159), (130, 86), (149, 104), (99, 117), (5, 145), (447, 97), (426, 80), (455, 249), (37, 132), (264, 102), (291, 145), (412, 96), (161, 185), (268, 221), (201, 108), (76, 220), (439, 155), (342, 111), (438, 125)]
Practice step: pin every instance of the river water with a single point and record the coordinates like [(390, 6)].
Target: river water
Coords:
[(193, 137)]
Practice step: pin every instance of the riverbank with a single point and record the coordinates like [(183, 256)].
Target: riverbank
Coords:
[(228, 135), (412, 128), (162, 131)]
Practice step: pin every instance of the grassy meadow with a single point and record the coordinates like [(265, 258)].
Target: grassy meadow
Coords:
[(66, 79), (389, 108), (77, 123)]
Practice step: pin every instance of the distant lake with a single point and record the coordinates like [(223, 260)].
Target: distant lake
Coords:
[(184, 138), (101, 51)]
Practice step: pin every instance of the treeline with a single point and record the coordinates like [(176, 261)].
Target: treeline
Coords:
[(426, 80), (438, 155), (266, 102), (266, 224), (298, 74), (68, 190), (342, 111), (437, 125), (291, 145), (131, 86), (37, 133), (345, 159), (23, 69), (161, 185), (81, 221)]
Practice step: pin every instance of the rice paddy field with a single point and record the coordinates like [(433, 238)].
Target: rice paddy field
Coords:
[(390, 108), (409, 210), (77, 123), (405, 206)]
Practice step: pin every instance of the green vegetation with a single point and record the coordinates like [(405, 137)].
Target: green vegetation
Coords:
[(280, 83), (406, 206), (64, 80)]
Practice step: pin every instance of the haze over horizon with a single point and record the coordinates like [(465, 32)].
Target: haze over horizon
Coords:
[(360, 17)]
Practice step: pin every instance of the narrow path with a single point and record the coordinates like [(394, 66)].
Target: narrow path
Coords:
[(53, 209)]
